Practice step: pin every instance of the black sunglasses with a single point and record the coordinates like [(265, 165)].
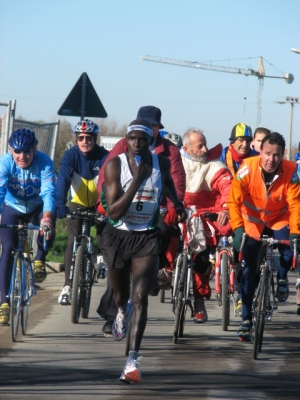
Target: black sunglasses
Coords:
[(87, 138), (27, 152)]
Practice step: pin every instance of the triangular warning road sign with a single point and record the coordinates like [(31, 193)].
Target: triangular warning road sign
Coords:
[(83, 101)]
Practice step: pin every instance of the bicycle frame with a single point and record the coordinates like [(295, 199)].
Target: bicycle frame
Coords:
[(25, 248), (83, 238), (224, 247)]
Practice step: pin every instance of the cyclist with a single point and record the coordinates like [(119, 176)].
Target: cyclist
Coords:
[(79, 169), (169, 233), (233, 156), (27, 189), (239, 147), (174, 138), (131, 241), (258, 136), (207, 186), (264, 199)]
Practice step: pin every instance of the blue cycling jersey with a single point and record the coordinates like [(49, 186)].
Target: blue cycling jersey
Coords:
[(26, 189)]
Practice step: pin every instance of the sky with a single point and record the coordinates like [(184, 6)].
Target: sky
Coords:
[(45, 46)]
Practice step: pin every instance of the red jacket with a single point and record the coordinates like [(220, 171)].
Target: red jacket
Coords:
[(163, 147)]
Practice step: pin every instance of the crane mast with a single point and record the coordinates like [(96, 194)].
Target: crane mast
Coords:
[(260, 73)]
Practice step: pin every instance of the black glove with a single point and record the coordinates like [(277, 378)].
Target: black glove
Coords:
[(238, 237), (62, 211), (295, 236)]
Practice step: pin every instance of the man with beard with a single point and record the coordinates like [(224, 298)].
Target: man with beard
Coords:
[(207, 187)]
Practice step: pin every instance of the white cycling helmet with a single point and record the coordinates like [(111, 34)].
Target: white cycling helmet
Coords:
[(174, 138)]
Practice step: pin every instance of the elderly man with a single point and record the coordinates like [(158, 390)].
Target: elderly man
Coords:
[(207, 187)]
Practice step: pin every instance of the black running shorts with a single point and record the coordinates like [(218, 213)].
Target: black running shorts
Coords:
[(119, 247)]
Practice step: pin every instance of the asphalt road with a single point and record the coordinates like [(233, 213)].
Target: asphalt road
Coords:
[(60, 360)]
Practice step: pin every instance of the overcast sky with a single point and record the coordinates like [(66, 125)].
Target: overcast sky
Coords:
[(46, 46)]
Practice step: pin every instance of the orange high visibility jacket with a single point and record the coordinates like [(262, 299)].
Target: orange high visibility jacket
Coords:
[(254, 207)]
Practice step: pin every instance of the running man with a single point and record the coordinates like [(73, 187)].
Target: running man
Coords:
[(131, 241)]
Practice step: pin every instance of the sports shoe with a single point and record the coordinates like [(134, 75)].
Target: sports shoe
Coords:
[(4, 314), (165, 278), (120, 324), (244, 332), (107, 327), (200, 314), (239, 308), (39, 271), (65, 297), (131, 373), (282, 292)]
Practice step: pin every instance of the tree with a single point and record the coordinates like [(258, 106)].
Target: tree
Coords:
[(111, 128), (65, 135)]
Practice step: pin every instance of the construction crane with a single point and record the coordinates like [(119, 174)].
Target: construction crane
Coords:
[(260, 73)]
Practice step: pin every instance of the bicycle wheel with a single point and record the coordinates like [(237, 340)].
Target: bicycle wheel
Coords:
[(176, 282), (260, 314), (225, 291), (186, 299), (87, 290), (15, 296), (179, 299), (27, 293), (77, 285)]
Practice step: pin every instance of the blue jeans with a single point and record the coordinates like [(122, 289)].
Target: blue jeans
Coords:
[(250, 253)]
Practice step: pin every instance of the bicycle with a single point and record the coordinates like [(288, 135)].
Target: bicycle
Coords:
[(82, 269), (182, 295), (264, 302), (225, 279), (22, 285)]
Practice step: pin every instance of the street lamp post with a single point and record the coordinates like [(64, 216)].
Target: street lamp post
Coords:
[(292, 101)]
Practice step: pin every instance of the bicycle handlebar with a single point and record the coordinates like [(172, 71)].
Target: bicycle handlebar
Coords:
[(87, 215)]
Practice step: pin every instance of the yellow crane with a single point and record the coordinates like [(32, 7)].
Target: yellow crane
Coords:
[(260, 73)]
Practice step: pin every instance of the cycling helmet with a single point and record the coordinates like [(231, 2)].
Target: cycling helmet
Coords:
[(87, 126), (174, 138), (23, 139), (241, 130), (163, 133)]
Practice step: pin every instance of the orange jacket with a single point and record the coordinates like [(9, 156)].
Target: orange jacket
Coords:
[(254, 207)]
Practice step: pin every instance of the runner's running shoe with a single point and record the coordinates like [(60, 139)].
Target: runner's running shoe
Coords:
[(131, 373), (120, 325)]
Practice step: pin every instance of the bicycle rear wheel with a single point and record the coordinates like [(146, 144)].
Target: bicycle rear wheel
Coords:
[(87, 290), (225, 291), (15, 296), (77, 284), (186, 298), (260, 314), (179, 299), (27, 293)]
